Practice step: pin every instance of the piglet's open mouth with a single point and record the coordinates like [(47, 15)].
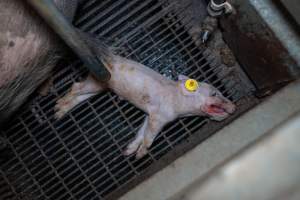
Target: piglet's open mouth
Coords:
[(219, 109)]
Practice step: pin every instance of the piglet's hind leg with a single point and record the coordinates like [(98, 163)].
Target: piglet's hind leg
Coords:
[(79, 92)]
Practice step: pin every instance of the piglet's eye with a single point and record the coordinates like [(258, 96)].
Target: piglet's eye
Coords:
[(213, 94)]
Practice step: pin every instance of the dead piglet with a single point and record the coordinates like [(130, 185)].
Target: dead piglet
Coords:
[(162, 99)]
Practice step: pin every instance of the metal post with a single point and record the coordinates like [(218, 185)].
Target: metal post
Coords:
[(57, 21)]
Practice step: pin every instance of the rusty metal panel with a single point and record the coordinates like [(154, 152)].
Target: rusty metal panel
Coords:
[(259, 52)]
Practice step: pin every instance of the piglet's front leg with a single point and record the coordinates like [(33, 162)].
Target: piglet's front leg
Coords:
[(152, 125)]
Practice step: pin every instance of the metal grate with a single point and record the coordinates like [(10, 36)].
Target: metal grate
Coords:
[(80, 156)]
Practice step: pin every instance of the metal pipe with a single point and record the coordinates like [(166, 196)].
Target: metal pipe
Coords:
[(267, 169), (217, 8), (57, 21)]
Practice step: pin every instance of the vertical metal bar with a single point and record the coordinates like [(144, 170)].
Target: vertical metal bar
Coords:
[(55, 19)]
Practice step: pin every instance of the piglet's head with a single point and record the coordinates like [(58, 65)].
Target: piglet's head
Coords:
[(207, 100)]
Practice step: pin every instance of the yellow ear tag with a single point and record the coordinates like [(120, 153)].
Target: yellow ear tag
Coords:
[(191, 85)]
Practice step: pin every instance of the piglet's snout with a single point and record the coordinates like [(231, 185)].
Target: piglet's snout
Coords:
[(228, 106), (225, 104)]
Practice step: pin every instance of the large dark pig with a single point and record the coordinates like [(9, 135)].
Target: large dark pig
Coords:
[(28, 51)]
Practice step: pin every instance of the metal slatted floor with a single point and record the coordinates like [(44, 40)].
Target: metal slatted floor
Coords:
[(80, 156)]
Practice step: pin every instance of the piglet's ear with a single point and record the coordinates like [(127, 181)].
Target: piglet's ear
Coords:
[(182, 77), (184, 91)]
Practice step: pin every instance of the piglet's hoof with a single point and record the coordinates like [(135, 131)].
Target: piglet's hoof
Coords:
[(131, 148), (136, 147), (62, 107), (141, 152)]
